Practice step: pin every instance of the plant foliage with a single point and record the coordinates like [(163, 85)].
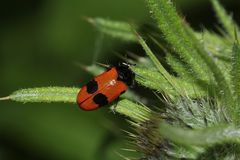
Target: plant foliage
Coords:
[(197, 115)]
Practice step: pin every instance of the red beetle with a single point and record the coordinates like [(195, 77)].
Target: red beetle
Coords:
[(106, 87)]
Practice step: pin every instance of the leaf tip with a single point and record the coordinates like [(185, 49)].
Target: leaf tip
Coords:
[(5, 98), (88, 19), (236, 34)]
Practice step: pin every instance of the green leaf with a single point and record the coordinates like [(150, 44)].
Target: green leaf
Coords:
[(138, 113), (115, 29), (154, 80), (215, 44), (180, 68), (219, 48), (225, 19), (159, 66), (223, 87), (195, 114), (201, 137), (45, 94), (181, 152), (172, 27), (236, 71), (92, 69), (236, 78)]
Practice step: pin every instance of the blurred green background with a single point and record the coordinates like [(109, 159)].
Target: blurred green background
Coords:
[(40, 42)]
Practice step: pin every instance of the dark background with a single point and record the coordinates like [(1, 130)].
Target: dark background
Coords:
[(40, 42)]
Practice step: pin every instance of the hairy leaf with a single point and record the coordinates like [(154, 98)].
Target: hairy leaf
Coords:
[(201, 137), (115, 29)]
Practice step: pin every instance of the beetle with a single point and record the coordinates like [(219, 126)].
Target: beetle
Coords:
[(106, 87)]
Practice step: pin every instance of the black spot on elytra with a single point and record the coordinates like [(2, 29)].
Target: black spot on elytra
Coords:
[(92, 86), (100, 99)]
